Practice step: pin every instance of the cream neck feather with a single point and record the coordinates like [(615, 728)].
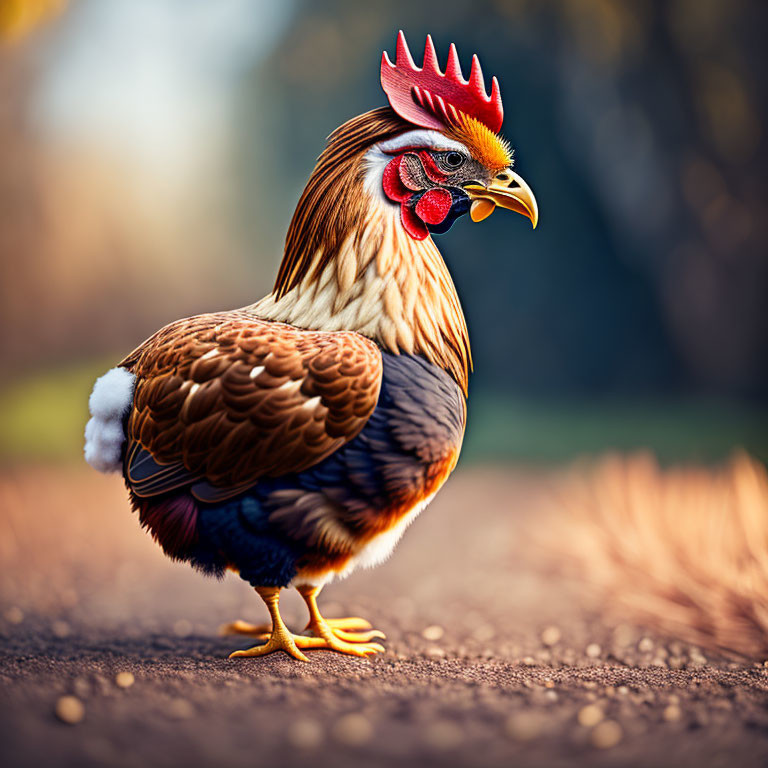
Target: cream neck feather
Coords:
[(384, 285)]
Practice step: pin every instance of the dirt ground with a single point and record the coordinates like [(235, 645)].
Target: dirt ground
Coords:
[(491, 660)]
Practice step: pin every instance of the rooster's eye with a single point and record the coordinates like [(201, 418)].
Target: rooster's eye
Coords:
[(453, 159)]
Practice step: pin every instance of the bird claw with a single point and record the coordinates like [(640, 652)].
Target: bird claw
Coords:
[(350, 622), (240, 627), (280, 640), (340, 627), (341, 641), (359, 637)]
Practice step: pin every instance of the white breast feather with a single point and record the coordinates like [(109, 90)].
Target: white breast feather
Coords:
[(373, 553)]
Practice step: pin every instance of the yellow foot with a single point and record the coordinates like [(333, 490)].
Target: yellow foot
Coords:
[(281, 640), (340, 627), (240, 627), (331, 641)]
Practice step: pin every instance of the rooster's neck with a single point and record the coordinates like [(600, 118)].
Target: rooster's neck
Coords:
[(385, 285)]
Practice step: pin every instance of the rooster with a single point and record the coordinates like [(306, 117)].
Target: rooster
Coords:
[(294, 440)]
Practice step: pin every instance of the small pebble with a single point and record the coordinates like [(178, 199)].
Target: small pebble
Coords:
[(697, 659), (524, 726), (672, 713), (181, 709), (60, 629), (593, 650), (529, 661), (550, 636), (124, 679), (590, 715), (622, 690), (549, 683), (443, 736), (606, 734), (435, 652), (70, 710), (433, 632), (305, 734), (645, 645), (550, 696), (624, 635), (353, 730)]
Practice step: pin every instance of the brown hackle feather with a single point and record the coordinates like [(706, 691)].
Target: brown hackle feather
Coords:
[(331, 204), (683, 551)]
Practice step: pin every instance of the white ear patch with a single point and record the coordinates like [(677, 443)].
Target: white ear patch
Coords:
[(421, 138), (110, 401)]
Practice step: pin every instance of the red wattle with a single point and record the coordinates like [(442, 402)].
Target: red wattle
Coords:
[(412, 224), (434, 206), (394, 188)]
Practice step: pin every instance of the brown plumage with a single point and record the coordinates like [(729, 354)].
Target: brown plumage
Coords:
[(272, 398)]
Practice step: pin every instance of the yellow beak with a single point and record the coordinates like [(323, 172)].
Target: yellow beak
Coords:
[(507, 190)]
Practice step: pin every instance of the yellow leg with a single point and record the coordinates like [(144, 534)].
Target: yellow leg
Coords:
[(334, 631), (280, 639)]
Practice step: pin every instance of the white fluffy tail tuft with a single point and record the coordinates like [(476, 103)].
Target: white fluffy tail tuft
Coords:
[(109, 403)]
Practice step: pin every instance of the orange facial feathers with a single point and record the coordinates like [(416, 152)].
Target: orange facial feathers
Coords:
[(486, 147)]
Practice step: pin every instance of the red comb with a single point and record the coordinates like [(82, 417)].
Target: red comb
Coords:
[(430, 98)]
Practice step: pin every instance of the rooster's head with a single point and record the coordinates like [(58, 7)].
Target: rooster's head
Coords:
[(454, 161)]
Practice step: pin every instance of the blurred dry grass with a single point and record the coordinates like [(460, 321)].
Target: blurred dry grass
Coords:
[(683, 551)]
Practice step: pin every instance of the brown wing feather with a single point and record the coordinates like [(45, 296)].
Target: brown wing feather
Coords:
[(235, 398)]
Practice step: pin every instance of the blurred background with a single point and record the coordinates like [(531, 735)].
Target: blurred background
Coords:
[(152, 152), (151, 155)]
